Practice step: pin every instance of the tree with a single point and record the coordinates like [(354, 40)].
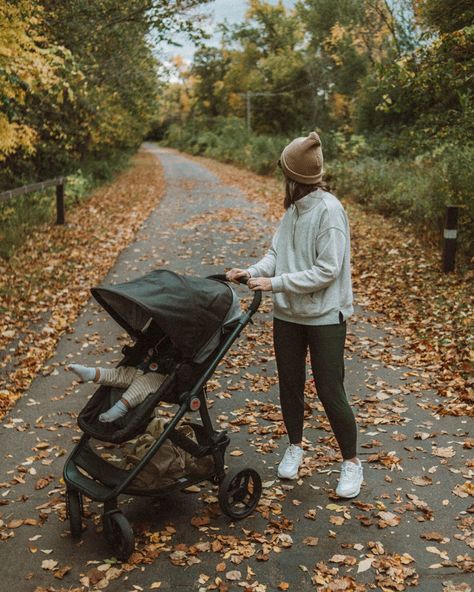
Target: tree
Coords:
[(347, 40), (210, 66), (26, 69), (83, 81), (446, 16), (266, 62), (424, 99)]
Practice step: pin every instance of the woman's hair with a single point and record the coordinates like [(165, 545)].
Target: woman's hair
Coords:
[(295, 191)]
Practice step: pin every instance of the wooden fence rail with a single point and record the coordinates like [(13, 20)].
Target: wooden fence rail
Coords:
[(59, 183)]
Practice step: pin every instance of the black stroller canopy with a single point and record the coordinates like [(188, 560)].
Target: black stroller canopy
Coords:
[(189, 310)]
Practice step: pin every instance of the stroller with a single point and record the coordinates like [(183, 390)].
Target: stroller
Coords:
[(191, 322)]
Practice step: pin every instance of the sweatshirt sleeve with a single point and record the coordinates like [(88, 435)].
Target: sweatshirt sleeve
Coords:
[(266, 266), (330, 247)]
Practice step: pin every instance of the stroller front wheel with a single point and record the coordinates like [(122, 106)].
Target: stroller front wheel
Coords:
[(239, 493), (119, 534), (74, 511)]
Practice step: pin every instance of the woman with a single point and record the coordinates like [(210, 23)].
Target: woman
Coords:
[(308, 270)]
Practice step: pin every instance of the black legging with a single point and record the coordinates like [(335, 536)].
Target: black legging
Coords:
[(326, 347)]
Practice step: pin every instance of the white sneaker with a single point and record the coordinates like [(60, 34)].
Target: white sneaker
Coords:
[(350, 480), (290, 463)]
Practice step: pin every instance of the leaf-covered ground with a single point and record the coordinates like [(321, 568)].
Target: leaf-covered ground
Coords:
[(45, 285), (398, 276), (411, 527)]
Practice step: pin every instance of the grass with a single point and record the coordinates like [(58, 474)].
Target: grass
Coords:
[(20, 215), (414, 193)]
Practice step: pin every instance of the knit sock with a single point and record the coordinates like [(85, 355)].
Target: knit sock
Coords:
[(118, 410), (85, 373)]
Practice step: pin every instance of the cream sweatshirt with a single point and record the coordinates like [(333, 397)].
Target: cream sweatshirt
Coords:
[(309, 262)]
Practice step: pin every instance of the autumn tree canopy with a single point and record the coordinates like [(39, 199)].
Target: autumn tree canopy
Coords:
[(78, 79), (350, 67)]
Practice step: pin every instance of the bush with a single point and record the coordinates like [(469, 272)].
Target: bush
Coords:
[(414, 192), (227, 139)]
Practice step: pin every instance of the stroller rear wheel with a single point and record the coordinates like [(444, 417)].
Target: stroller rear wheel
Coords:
[(74, 511), (119, 534), (239, 493)]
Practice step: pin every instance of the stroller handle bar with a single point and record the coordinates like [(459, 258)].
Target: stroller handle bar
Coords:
[(257, 296)]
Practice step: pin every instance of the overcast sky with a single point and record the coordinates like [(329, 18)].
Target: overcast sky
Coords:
[(232, 11)]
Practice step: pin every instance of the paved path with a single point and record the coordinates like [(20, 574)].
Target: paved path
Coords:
[(200, 227)]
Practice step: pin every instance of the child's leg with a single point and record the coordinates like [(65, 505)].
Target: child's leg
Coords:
[(141, 387), (121, 377), (85, 373)]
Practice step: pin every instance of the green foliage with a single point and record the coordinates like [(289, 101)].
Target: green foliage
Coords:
[(228, 140), (210, 66), (79, 81), (415, 192), (339, 146), (447, 16), (425, 97)]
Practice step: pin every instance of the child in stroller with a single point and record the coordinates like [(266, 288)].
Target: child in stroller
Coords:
[(144, 378), (139, 381)]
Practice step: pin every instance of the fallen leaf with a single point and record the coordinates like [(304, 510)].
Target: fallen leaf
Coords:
[(447, 452), (62, 571), (365, 564), (464, 490), (449, 586), (421, 481), (48, 564)]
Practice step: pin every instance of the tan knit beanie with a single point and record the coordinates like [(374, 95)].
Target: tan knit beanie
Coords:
[(302, 160)]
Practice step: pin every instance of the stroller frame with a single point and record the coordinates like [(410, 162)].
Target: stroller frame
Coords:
[(87, 474)]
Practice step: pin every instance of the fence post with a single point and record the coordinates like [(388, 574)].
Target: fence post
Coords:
[(450, 238), (60, 213)]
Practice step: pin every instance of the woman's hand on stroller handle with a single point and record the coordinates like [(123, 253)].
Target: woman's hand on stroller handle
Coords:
[(242, 276), (260, 283), (238, 276)]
